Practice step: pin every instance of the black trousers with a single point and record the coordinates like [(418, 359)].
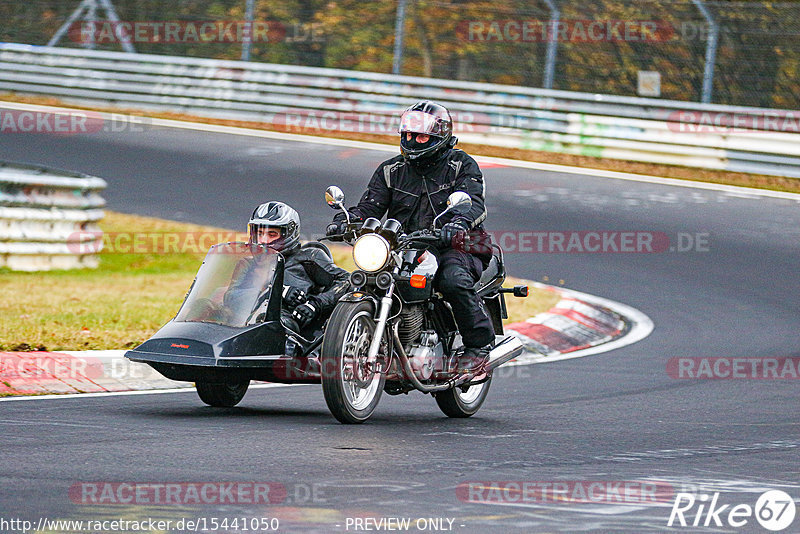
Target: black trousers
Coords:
[(457, 275)]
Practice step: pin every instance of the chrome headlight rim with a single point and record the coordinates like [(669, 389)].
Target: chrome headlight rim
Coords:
[(371, 252)]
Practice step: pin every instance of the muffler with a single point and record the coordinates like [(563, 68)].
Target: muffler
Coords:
[(506, 350)]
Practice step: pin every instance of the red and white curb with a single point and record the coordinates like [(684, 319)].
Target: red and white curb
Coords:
[(578, 325), (70, 372)]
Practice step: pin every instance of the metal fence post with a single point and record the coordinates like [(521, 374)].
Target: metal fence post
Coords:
[(88, 10), (711, 52), (552, 45), (399, 27), (247, 38)]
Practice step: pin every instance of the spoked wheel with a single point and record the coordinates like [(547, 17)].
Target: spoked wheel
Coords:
[(461, 401), (222, 395), (352, 386)]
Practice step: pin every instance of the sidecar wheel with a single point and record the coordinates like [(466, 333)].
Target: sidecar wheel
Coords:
[(352, 389), (455, 402), (222, 395)]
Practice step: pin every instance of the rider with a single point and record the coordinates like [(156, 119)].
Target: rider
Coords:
[(312, 282), (413, 188)]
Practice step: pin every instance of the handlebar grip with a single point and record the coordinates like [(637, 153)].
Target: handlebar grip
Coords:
[(425, 238)]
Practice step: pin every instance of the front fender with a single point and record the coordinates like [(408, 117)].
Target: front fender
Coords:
[(359, 296)]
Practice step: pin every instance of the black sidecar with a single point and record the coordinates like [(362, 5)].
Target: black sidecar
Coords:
[(228, 330)]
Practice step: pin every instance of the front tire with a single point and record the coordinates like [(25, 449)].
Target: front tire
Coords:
[(224, 395), (455, 402), (352, 387)]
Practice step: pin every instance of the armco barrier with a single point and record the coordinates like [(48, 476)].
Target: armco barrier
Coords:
[(48, 218), (710, 136)]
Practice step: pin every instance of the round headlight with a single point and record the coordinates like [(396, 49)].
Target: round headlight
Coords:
[(371, 252)]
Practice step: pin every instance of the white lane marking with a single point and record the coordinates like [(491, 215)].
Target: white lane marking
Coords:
[(126, 393), (38, 422), (745, 192), (99, 354)]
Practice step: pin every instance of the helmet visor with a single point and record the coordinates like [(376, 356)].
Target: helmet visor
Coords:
[(421, 123), (267, 235)]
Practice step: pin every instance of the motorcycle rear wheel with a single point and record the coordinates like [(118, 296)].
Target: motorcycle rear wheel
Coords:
[(455, 402), (224, 395), (351, 388)]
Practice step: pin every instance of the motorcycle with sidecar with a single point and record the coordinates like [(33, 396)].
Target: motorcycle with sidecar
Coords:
[(391, 333)]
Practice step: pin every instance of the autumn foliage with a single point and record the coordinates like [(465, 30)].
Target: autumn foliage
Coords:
[(601, 45)]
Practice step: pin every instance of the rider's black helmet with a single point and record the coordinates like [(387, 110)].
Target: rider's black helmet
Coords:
[(280, 216), (429, 118)]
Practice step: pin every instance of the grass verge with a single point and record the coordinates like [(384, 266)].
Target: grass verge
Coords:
[(124, 301), (758, 181)]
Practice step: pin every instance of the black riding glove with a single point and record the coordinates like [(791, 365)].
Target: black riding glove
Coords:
[(452, 231), (335, 228), (306, 312), (293, 297)]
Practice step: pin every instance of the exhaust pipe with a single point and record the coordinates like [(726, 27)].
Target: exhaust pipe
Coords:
[(506, 350)]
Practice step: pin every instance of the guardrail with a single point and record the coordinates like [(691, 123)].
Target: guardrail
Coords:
[(48, 218), (742, 139)]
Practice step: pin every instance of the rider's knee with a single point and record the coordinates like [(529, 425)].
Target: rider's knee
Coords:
[(454, 279)]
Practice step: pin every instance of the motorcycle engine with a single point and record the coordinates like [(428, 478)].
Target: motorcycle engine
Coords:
[(425, 355), (412, 320), (425, 352)]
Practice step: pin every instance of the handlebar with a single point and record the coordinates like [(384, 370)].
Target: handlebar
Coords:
[(349, 232), (420, 236), (423, 236)]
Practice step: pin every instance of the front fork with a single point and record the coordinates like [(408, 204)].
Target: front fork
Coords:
[(380, 326)]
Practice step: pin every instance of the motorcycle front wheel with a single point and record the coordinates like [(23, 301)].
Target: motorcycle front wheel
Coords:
[(463, 402), (352, 387)]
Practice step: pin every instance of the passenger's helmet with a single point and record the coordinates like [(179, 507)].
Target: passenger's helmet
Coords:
[(428, 118), (281, 217)]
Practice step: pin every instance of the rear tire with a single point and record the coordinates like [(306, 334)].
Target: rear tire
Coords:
[(352, 389), (457, 403), (224, 395)]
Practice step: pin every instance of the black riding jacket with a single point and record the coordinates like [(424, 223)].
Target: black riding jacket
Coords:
[(311, 270), (415, 194), (306, 268)]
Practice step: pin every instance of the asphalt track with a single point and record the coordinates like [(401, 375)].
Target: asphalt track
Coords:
[(612, 417)]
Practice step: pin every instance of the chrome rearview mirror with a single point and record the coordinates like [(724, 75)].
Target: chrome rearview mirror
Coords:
[(334, 197), (459, 202)]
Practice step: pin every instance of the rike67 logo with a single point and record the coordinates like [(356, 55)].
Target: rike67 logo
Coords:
[(774, 510)]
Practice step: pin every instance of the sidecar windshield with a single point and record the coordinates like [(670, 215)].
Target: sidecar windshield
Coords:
[(232, 286)]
